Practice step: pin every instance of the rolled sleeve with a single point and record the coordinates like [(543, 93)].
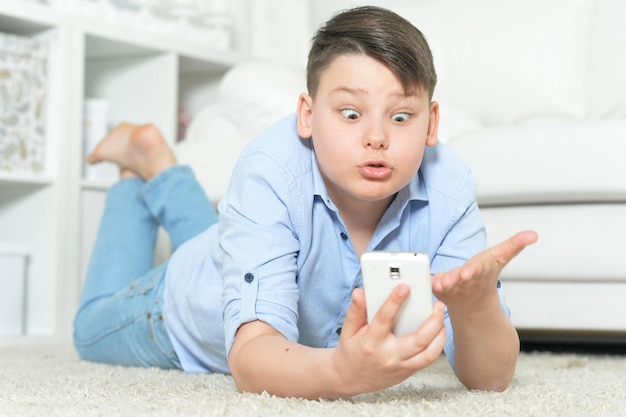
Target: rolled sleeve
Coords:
[(260, 248), (248, 303)]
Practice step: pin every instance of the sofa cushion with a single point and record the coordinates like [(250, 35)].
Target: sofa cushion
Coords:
[(455, 120), (573, 162), (251, 96), (577, 242), (507, 61), (212, 162)]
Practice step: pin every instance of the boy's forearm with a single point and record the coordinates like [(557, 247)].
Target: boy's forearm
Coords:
[(486, 348), (273, 364)]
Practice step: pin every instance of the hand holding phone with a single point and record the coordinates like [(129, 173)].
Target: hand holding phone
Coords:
[(383, 271)]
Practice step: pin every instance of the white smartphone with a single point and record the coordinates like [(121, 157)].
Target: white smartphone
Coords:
[(383, 271)]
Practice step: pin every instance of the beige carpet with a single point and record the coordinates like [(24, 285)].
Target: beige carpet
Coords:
[(48, 380)]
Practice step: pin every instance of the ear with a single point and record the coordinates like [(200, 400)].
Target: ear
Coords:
[(433, 124), (305, 116)]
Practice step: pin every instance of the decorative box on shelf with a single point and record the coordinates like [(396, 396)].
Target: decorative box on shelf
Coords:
[(13, 258), (23, 89)]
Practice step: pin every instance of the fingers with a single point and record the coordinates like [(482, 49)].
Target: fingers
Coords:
[(430, 352), (382, 324), (445, 280), (510, 248), (376, 342), (501, 253), (431, 338), (356, 317), (488, 263), (432, 325)]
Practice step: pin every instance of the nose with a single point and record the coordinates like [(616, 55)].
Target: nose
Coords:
[(375, 136)]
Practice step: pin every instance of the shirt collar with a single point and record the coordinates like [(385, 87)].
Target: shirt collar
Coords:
[(319, 188)]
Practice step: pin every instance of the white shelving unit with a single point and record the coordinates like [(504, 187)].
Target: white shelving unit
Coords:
[(143, 76)]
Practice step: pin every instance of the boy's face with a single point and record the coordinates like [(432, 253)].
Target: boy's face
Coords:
[(369, 136)]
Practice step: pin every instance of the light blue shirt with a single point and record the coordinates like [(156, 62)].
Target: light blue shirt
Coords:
[(281, 254)]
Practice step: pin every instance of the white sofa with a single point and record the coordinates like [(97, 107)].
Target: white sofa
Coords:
[(533, 97)]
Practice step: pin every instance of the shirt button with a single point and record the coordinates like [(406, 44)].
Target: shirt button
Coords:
[(343, 235), (249, 277), (339, 331)]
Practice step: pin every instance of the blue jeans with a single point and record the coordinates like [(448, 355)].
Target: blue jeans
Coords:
[(120, 318)]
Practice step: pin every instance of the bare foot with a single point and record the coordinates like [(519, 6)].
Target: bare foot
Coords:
[(138, 149)]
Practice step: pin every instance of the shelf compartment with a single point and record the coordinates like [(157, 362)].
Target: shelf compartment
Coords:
[(140, 87), (124, 39), (13, 179), (27, 19)]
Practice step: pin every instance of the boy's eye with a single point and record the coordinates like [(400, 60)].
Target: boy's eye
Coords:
[(400, 117), (350, 114)]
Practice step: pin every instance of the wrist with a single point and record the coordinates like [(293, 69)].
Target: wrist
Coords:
[(340, 378), (478, 308)]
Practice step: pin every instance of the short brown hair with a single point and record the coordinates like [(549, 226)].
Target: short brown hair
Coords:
[(380, 34)]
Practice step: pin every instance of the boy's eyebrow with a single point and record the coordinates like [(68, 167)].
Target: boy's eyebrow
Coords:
[(352, 91), (363, 92)]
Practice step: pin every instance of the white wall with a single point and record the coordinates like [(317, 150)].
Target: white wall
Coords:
[(280, 30)]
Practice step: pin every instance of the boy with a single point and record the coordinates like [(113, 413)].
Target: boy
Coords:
[(271, 293)]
